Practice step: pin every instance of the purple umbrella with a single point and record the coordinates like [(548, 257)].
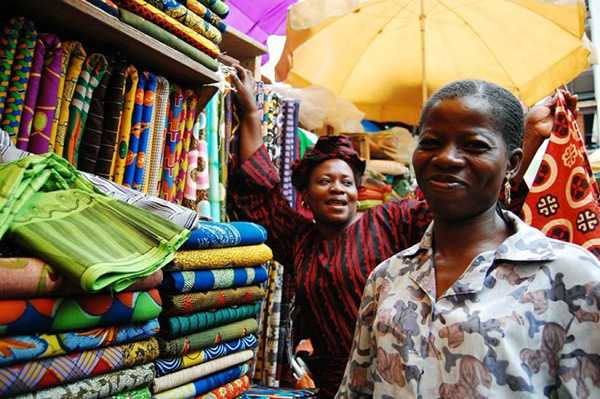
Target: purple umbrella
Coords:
[(259, 18)]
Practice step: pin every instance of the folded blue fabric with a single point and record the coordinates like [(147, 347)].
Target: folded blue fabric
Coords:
[(218, 235), (205, 280)]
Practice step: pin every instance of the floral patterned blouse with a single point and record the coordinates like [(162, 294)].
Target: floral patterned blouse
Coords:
[(521, 322)]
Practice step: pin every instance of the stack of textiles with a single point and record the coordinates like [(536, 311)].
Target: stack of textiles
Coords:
[(212, 294), (60, 342), (193, 27), (373, 192)]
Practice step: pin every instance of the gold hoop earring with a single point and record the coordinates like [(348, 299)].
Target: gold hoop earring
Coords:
[(357, 204), (305, 205), (507, 189)]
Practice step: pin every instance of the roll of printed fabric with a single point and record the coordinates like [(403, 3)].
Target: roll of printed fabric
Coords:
[(107, 6), (220, 235), (206, 339), (202, 11), (67, 49), (112, 385), (169, 365), (38, 374), (177, 326), (169, 39), (91, 74), (45, 104), (17, 50), (230, 390), (202, 178), (146, 129), (158, 137), (91, 136), (190, 117), (41, 315), (219, 258), (136, 129), (216, 6), (120, 159), (151, 13), (206, 384), (190, 374), (21, 348), (112, 118), (204, 280), (176, 115), (216, 299), (212, 136), (180, 13), (76, 61), (190, 190)]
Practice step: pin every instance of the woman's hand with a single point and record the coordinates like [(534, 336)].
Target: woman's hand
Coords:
[(540, 118), (243, 81), (250, 128)]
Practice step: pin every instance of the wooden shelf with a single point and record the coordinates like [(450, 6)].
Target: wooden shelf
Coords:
[(82, 21), (239, 46)]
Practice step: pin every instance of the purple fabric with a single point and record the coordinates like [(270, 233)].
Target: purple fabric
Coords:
[(260, 19)]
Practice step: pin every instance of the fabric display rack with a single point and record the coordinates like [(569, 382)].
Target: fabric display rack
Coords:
[(115, 283)]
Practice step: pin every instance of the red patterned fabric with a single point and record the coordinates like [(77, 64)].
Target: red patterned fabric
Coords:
[(563, 200)]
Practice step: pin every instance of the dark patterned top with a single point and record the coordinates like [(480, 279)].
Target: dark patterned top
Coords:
[(521, 321), (329, 275)]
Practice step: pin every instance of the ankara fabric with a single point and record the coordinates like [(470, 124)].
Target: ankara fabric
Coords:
[(35, 190)]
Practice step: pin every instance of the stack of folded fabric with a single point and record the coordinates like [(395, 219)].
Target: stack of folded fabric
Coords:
[(373, 192), (193, 27), (212, 293), (59, 342)]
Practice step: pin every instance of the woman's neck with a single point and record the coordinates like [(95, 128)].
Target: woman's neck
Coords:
[(455, 244), (481, 233), (330, 232)]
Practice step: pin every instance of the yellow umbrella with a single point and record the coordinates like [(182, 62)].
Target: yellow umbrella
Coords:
[(387, 55)]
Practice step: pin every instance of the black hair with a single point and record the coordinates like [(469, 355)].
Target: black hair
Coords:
[(504, 106)]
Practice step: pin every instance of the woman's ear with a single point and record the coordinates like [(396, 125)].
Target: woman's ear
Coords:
[(305, 203), (514, 162)]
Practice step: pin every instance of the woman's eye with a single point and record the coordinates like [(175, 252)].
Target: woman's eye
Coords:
[(324, 181), (428, 143), (347, 183), (476, 146)]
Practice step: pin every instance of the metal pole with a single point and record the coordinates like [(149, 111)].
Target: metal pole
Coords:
[(423, 66)]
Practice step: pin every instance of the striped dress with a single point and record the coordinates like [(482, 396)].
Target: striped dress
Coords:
[(329, 276)]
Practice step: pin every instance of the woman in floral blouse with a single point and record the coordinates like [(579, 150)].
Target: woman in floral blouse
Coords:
[(484, 306)]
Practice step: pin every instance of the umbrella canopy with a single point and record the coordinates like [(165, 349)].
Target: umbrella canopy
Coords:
[(384, 54), (260, 18)]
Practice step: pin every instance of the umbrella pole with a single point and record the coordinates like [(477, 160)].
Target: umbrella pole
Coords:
[(423, 68)]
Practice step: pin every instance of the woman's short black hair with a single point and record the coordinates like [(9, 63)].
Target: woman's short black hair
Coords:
[(504, 106)]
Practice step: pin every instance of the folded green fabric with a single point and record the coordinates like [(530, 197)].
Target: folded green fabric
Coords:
[(167, 38), (52, 211), (181, 346)]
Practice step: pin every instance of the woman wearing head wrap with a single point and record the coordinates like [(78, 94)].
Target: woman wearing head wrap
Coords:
[(332, 256)]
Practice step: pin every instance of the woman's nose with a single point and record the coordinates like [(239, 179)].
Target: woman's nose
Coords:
[(448, 156)]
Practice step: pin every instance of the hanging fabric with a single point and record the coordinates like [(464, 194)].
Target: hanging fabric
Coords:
[(190, 117), (136, 128), (202, 178), (212, 135), (120, 158), (91, 74), (563, 200), (146, 128), (167, 191), (45, 103), (91, 136), (77, 59), (112, 117), (190, 191), (18, 48), (158, 136)]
